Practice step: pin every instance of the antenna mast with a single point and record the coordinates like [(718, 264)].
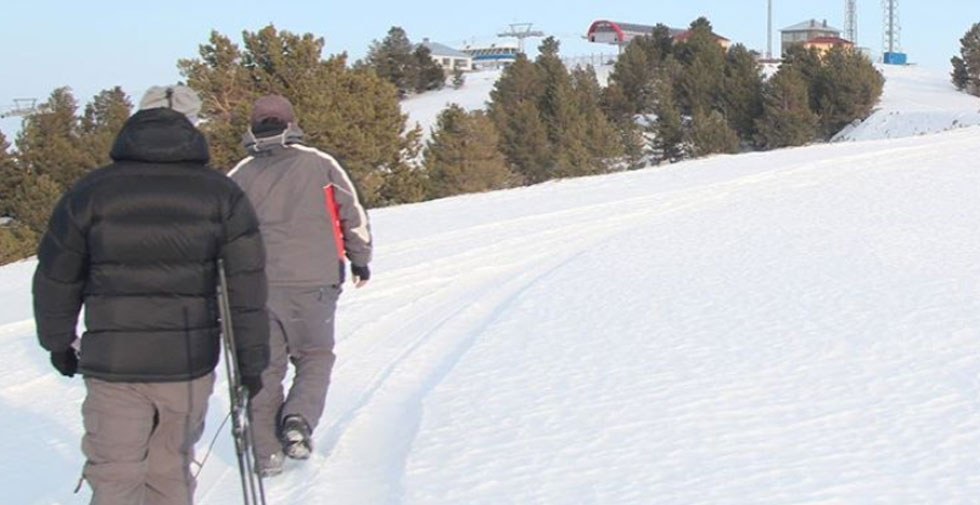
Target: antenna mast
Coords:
[(850, 21), (892, 32)]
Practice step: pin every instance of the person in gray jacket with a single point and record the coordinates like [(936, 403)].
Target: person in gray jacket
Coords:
[(311, 220)]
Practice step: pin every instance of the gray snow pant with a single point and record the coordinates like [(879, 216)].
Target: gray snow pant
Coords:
[(301, 332), (139, 440)]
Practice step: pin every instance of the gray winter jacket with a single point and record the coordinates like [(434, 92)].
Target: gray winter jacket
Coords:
[(309, 212)]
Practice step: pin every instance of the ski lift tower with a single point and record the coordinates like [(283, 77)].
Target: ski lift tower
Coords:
[(22, 107), (521, 31), (850, 21), (892, 34)]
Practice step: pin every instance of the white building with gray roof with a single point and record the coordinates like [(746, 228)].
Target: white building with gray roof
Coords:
[(448, 58)]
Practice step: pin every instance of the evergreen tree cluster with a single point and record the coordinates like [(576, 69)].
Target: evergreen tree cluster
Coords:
[(550, 121), (813, 96), (966, 66), (55, 146), (408, 66), (672, 99)]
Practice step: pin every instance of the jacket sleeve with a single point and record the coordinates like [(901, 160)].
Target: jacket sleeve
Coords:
[(354, 222), (59, 279), (244, 259)]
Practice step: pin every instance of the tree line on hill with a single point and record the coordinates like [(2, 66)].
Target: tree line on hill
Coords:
[(665, 101)]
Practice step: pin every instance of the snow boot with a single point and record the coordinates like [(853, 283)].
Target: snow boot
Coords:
[(296, 442)]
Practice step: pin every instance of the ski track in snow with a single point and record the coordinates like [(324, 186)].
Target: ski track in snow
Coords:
[(713, 369), (794, 327)]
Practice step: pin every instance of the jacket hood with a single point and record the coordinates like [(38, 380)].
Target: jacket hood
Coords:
[(256, 145), (160, 135)]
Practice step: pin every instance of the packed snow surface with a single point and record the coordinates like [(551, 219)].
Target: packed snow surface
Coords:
[(792, 327)]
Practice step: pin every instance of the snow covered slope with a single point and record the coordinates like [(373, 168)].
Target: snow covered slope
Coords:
[(792, 327), (916, 101), (424, 109)]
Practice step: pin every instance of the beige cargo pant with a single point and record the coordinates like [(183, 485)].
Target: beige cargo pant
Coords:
[(139, 440)]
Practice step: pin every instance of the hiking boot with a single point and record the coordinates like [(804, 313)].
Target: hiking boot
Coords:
[(296, 434), (271, 466)]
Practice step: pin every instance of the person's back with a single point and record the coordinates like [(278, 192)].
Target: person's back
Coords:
[(137, 242), (153, 225), (285, 184)]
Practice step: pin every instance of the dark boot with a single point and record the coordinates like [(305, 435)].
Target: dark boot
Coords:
[(296, 437)]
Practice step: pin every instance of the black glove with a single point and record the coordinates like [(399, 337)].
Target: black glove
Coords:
[(66, 362), (252, 383), (362, 273)]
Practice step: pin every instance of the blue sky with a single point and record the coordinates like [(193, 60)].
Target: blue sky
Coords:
[(95, 45)]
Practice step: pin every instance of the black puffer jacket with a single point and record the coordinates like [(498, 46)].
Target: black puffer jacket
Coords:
[(137, 241)]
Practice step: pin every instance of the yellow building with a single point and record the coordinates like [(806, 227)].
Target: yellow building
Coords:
[(806, 31)]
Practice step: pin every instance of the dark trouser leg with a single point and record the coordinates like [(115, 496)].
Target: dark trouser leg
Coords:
[(267, 404), (310, 336)]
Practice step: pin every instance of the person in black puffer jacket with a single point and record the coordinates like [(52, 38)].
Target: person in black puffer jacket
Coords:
[(137, 243)]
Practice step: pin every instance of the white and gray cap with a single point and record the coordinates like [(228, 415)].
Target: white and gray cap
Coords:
[(177, 97)]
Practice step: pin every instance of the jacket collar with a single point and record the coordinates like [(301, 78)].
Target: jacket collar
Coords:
[(258, 145)]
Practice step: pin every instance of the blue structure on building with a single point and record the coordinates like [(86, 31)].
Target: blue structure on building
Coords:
[(895, 58)]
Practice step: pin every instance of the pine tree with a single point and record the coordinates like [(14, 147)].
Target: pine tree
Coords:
[(524, 142), (16, 242), (462, 156), (668, 129), (810, 67), (33, 199), (711, 134), (54, 148), (601, 138), (103, 118), (393, 61), (662, 42), (635, 146), (227, 92), (630, 90), (969, 71), (851, 88), (959, 75), (430, 75), (703, 60), (561, 114), (514, 110), (786, 116), (702, 24), (9, 175), (405, 180), (742, 91), (50, 142), (459, 78)]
